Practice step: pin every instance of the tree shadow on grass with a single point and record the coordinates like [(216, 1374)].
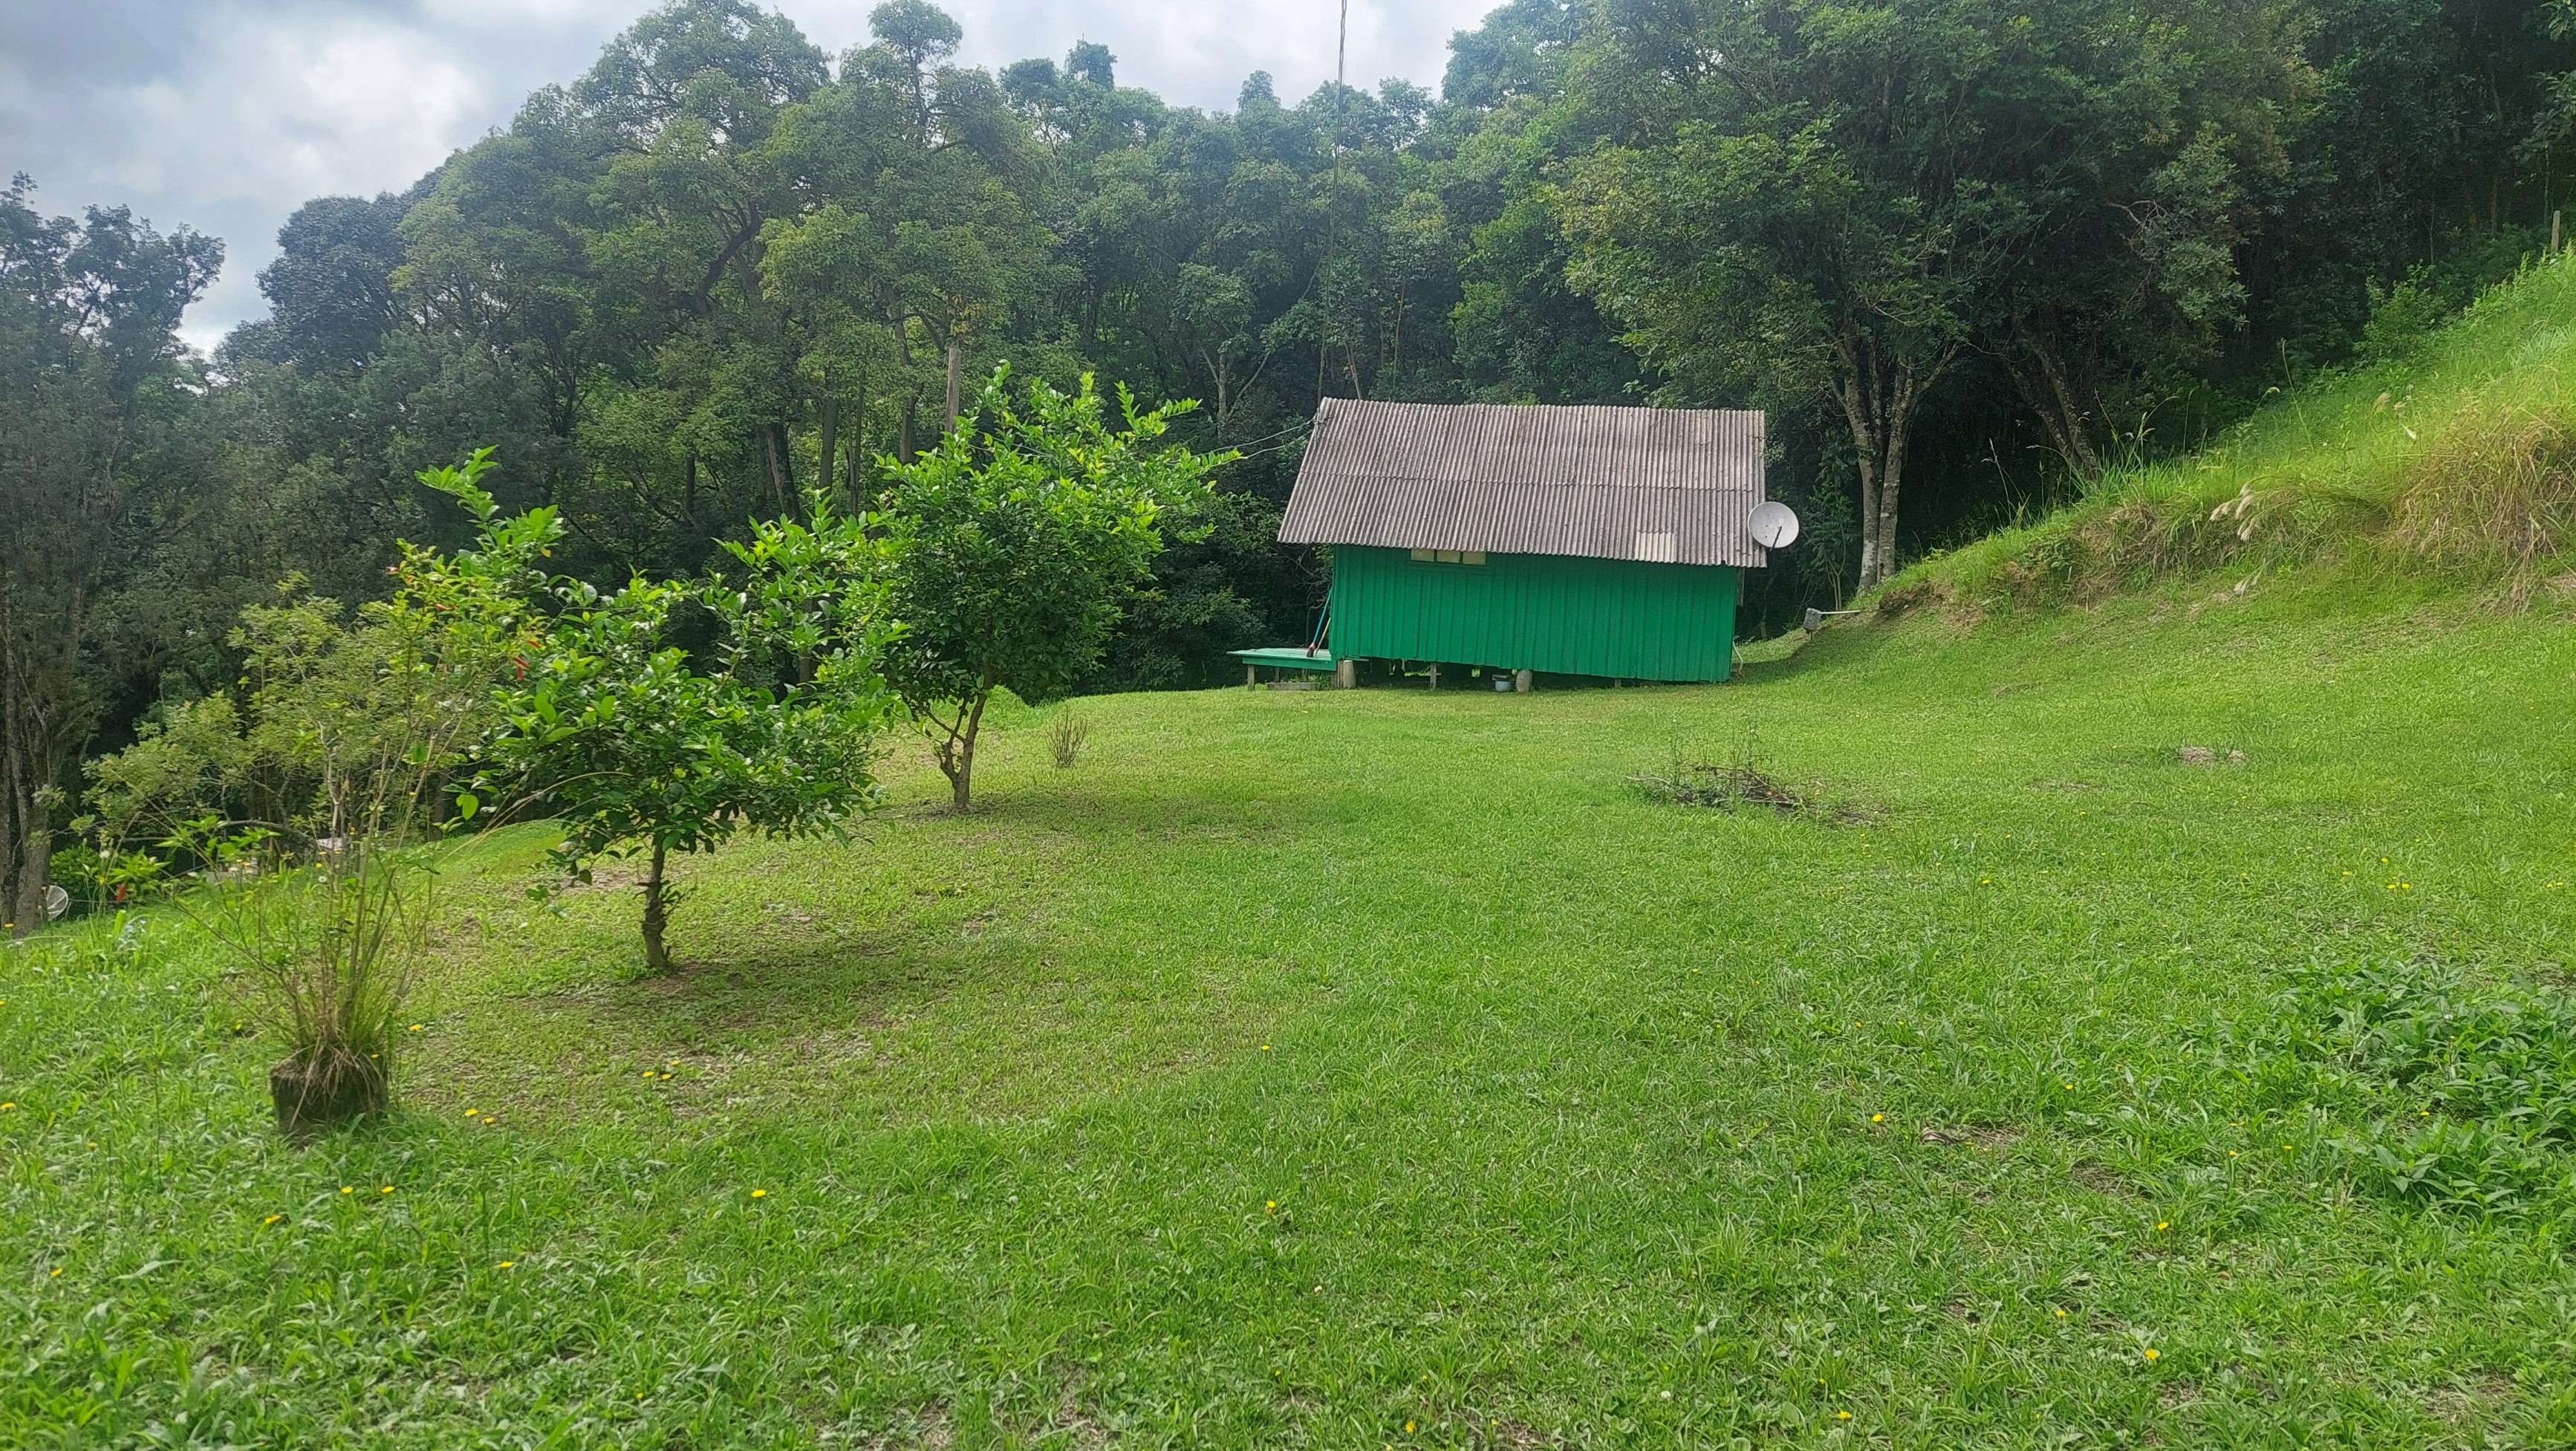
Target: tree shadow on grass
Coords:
[(971, 1017), (1068, 937)]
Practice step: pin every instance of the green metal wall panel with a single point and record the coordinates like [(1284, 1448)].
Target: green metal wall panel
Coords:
[(1557, 613)]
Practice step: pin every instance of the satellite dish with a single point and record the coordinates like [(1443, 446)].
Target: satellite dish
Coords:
[(1773, 525), (57, 902)]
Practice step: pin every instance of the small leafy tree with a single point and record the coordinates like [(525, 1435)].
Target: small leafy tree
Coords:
[(635, 746), (312, 799), (1012, 546)]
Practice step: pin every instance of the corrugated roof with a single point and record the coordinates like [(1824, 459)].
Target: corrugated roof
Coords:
[(1670, 484)]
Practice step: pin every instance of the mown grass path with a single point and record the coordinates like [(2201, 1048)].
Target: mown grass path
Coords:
[(1383, 1069)]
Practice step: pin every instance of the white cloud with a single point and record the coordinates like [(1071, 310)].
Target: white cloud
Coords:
[(300, 113), (227, 116)]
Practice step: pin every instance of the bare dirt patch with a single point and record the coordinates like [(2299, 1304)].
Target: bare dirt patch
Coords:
[(2101, 1179)]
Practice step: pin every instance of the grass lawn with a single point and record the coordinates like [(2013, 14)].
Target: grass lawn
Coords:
[(1384, 1069)]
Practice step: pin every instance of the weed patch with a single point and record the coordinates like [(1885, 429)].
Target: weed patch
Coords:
[(1744, 784), (2486, 1074)]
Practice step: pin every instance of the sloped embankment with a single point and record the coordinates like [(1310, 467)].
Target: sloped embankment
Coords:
[(2458, 459)]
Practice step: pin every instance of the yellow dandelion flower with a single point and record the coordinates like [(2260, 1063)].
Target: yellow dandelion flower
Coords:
[(759, 1193), (1878, 1118), (348, 1189), (505, 1264), (2061, 1314), (58, 1274), (272, 1219), (1408, 1428), (7, 1105), (2151, 1354), (2164, 1224), (1842, 1415), (415, 1027), (388, 1189)]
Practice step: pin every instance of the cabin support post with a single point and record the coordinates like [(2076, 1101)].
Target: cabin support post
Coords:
[(1523, 681), (1435, 675), (1346, 674), (1251, 675)]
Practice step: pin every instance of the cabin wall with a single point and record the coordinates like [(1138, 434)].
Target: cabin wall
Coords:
[(1557, 613)]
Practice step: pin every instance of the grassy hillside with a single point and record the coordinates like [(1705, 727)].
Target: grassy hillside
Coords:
[(2455, 459), (1385, 1069)]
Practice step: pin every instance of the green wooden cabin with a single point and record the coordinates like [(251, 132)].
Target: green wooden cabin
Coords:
[(1575, 541)]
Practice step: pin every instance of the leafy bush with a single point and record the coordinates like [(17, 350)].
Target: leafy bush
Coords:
[(2403, 316)]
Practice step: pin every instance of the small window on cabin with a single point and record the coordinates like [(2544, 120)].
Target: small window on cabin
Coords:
[(1471, 556), (1425, 556), (1449, 556)]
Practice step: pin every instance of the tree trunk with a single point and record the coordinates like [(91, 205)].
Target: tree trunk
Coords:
[(2051, 396), (956, 380), (781, 481), (31, 767), (1891, 471), (828, 456), (1879, 398), (903, 441), (8, 855), (34, 869), (657, 915), (957, 753), (35, 861), (1866, 453)]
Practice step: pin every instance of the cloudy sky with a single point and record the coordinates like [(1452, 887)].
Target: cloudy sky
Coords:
[(226, 114)]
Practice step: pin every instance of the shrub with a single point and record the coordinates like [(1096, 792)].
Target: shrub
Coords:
[(2403, 317)]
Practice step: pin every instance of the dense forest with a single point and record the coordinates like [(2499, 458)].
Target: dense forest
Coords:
[(1968, 254)]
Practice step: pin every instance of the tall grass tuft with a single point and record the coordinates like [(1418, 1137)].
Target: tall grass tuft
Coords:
[(1066, 736), (331, 950), (2496, 494)]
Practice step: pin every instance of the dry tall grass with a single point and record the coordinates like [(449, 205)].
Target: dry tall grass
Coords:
[(2496, 495)]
